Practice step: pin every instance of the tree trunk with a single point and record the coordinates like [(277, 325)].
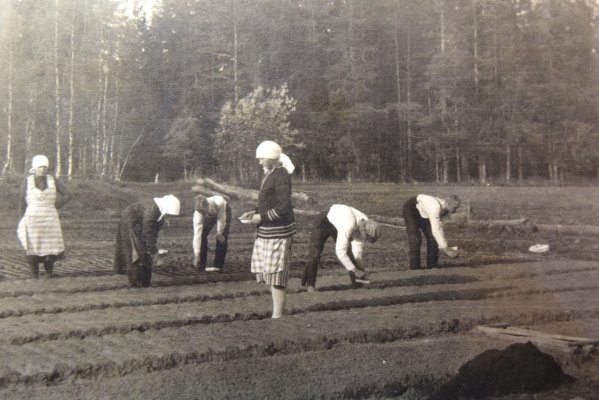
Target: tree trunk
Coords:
[(465, 167), (9, 138), (508, 163), (475, 40), (28, 134), (445, 166), (402, 168), (112, 167), (235, 44), (242, 193), (408, 101), (105, 139), (482, 170), (520, 164), (71, 100), (96, 143), (457, 165), (58, 161), (437, 172), (120, 174)]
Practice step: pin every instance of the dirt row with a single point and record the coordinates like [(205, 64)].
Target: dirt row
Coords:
[(164, 328), (87, 335)]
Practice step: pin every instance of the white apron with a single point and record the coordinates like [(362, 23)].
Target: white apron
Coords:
[(39, 230)]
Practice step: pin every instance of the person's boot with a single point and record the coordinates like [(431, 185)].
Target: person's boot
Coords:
[(49, 267), (34, 268)]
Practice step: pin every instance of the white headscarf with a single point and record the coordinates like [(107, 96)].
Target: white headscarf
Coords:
[(271, 150), (168, 204), (39, 161)]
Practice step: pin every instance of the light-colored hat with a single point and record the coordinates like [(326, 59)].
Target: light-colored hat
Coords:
[(268, 149), (272, 151), (39, 161), (168, 204)]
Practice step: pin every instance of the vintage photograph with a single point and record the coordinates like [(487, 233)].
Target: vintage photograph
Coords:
[(299, 199)]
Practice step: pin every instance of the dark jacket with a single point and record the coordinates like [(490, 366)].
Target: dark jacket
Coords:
[(141, 218), (136, 240), (274, 206)]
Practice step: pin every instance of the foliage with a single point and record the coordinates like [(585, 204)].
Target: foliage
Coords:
[(396, 90), (264, 114)]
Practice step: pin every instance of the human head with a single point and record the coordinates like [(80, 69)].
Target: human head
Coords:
[(39, 165), (270, 154), (452, 203), (201, 204), (268, 150), (370, 230), (168, 205)]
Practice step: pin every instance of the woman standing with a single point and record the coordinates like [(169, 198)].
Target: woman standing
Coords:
[(137, 237), (275, 223), (39, 229)]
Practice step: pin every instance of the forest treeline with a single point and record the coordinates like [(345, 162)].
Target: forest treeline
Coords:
[(385, 90)]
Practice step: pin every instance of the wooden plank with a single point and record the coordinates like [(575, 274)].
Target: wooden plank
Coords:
[(541, 338)]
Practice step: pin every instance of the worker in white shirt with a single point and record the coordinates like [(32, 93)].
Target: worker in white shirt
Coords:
[(210, 211), (424, 213), (350, 228)]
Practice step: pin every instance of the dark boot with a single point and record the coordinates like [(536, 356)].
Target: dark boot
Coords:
[(49, 267), (34, 267)]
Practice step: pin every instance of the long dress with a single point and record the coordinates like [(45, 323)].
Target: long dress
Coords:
[(39, 229), (136, 242)]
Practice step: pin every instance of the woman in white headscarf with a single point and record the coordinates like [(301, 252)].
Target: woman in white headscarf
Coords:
[(275, 223), (39, 229), (137, 237)]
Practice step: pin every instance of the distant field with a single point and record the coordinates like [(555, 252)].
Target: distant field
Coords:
[(575, 205), (542, 204), (547, 205)]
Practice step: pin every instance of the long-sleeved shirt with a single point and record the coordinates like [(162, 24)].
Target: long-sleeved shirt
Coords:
[(275, 207), (217, 208), (346, 220), (432, 208)]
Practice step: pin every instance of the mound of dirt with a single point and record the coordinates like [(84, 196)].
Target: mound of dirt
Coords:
[(519, 368)]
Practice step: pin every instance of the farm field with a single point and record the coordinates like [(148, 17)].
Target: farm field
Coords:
[(197, 335)]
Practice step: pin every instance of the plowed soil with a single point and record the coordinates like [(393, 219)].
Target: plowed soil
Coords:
[(195, 335)]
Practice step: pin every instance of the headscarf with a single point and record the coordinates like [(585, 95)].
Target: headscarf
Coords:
[(39, 161), (272, 151), (168, 204)]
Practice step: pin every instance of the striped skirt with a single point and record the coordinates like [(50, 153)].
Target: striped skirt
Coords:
[(40, 233), (270, 260)]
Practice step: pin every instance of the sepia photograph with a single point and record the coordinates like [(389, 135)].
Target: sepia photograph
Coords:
[(299, 199)]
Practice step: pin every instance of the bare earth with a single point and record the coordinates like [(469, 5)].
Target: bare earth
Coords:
[(86, 335)]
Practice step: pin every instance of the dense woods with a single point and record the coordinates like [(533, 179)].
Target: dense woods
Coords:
[(384, 90)]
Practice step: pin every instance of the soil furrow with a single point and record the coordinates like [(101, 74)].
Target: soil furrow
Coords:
[(54, 361)]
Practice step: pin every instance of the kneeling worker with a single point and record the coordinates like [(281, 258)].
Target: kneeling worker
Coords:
[(350, 228), (209, 212), (424, 213)]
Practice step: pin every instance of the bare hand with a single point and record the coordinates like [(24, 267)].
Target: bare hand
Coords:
[(256, 219), (221, 238), (451, 253), (196, 260), (246, 217)]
